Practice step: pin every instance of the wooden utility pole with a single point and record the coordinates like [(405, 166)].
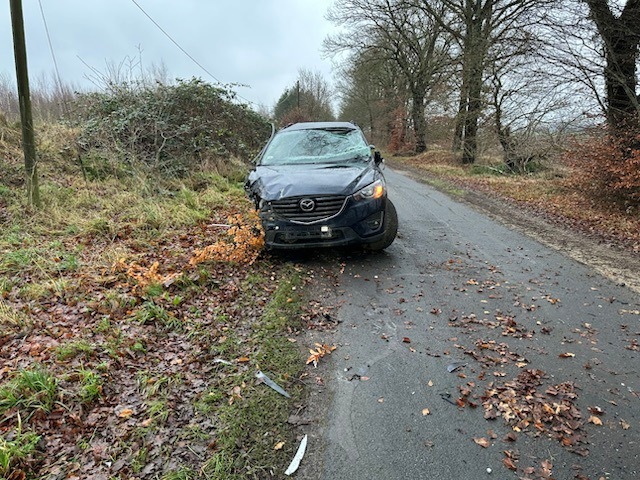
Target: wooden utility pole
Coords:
[(28, 140)]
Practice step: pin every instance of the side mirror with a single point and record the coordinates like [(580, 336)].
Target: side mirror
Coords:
[(377, 157)]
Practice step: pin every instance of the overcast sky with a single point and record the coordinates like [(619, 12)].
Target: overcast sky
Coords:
[(260, 43)]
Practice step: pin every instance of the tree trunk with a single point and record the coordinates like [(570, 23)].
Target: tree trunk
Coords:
[(621, 38), (460, 119), (470, 144), (419, 121), (620, 79)]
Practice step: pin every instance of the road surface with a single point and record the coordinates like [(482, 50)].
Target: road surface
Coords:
[(545, 348)]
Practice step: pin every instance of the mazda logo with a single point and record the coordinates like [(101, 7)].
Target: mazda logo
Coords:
[(307, 205)]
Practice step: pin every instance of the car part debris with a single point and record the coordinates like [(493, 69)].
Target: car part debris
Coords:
[(446, 396), (270, 383), (295, 463), (452, 367), (224, 362)]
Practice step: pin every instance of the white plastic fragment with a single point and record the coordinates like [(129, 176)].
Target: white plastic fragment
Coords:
[(270, 383), (295, 463), (489, 470), (220, 360)]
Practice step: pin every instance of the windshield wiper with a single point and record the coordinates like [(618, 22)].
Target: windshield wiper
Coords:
[(337, 165)]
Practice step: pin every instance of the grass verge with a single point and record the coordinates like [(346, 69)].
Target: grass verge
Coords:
[(256, 421), (127, 295)]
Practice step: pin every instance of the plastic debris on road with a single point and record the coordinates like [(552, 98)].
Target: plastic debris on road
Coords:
[(295, 463), (452, 367), (270, 383)]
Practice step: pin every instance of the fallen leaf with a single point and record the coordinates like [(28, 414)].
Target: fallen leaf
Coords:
[(430, 383), (406, 340), (278, 446), (243, 360), (125, 413), (320, 351), (426, 411), (595, 420), (509, 464), (624, 425), (483, 442), (146, 422), (567, 355), (381, 400)]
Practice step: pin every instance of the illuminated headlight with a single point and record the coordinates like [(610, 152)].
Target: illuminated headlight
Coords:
[(373, 191)]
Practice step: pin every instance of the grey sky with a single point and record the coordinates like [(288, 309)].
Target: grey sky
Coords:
[(260, 43)]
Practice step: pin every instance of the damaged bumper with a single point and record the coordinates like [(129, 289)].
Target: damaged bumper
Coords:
[(359, 222)]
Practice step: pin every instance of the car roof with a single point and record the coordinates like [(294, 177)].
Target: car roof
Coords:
[(321, 126)]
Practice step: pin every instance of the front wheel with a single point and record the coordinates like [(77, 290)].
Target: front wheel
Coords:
[(390, 226)]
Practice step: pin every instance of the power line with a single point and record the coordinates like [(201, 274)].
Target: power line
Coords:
[(53, 56), (182, 49), (174, 42)]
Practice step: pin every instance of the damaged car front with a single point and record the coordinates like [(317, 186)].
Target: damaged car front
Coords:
[(319, 185)]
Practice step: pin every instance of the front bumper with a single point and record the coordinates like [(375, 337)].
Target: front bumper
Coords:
[(360, 222)]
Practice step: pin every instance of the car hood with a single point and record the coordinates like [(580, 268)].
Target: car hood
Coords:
[(282, 181)]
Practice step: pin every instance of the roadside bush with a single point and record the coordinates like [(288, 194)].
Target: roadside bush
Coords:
[(171, 128), (607, 166)]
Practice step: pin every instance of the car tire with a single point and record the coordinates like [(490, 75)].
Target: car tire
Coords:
[(390, 226)]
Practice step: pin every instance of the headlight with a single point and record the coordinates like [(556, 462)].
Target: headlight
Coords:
[(373, 191)]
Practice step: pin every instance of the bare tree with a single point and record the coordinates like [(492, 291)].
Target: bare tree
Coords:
[(478, 26), (396, 31), (620, 34), (309, 99), (530, 113), (370, 89)]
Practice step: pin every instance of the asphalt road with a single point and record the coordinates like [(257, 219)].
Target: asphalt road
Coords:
[(458, 287)]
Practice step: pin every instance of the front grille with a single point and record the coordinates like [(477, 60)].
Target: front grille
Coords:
[(326, 206)]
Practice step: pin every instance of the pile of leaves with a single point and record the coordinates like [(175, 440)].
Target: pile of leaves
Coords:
[(520, 403)]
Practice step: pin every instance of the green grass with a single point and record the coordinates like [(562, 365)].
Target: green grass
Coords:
[(61, 260), (10, 317), (445, 186), (29, 390), (16, 447), (180, 474), (74, 349), (150, 312), (256, 423), (90, 385)]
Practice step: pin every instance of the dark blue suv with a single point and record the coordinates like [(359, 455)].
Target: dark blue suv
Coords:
[(320, 185)]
